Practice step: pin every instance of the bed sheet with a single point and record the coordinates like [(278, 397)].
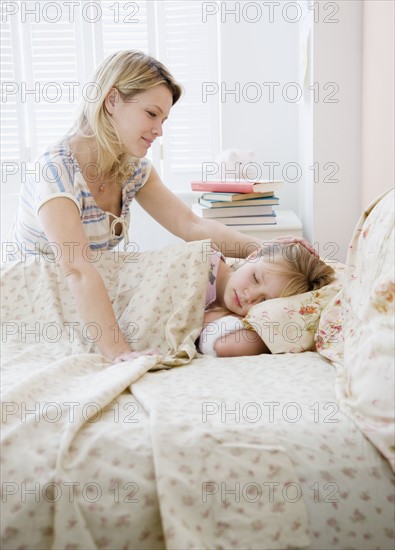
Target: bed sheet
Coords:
[(255, 453), (78, 473), (55, 387), (238, 453)]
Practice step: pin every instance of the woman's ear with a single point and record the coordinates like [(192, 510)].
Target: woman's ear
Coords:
[(111, 99)]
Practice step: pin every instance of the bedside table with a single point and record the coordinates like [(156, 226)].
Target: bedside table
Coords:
[(287, 223)]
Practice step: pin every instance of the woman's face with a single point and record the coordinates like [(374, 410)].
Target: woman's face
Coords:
[(139, 120)]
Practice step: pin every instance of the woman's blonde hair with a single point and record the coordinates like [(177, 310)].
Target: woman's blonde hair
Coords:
[(130, 72), (305, 271)]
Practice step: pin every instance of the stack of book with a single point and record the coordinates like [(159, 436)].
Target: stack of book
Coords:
[(240, 203)]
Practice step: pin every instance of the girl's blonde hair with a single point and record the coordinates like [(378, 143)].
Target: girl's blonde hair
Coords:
[(130, 72), (304, 270)]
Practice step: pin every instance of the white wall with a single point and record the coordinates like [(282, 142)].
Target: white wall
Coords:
[(262, 53), (377, 99), (331, 132)]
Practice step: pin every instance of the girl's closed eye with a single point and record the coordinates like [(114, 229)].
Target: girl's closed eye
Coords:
[(151, 114), (254, 277)]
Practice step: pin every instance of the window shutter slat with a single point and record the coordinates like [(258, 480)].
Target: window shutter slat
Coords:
[(184, 47), (121, 34), (9, 142), (57, 101)]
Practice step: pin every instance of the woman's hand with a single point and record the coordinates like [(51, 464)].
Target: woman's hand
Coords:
[(290, 239), (128, 356)]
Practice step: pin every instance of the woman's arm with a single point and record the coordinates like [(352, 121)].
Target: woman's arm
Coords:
[(173, 214), (61, 223)]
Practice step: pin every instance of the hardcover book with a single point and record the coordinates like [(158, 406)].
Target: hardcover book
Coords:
[(226, 212), (236, 187), (263, 201), (230, 197), (265, 219)]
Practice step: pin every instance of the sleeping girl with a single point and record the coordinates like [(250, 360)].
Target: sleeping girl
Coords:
[(277, 270)]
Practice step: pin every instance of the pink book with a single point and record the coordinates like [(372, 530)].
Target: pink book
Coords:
[(236, 187)]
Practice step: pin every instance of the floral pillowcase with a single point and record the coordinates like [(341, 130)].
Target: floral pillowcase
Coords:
[(362, 318)]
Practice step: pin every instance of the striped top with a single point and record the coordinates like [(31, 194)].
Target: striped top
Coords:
[(57, 174)]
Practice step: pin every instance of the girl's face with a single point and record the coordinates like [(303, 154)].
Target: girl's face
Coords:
[(139, 120), (253, 283)]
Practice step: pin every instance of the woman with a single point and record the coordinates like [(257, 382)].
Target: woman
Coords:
[(81, 202)]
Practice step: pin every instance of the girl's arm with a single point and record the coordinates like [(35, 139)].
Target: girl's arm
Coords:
[(61, 223), (173, 214), (241, 342), (233, 344)]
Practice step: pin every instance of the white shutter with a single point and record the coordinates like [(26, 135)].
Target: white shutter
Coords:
[(124, 26), (11, 119), (187, 46), (56, 54), (51, 54), (56, 109)]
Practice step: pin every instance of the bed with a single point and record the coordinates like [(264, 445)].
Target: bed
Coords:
[(180, 450)]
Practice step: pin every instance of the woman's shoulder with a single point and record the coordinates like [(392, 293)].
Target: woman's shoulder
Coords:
[(138, 167), (57, 155), (56, 171), (138, 174), (53, 149)]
